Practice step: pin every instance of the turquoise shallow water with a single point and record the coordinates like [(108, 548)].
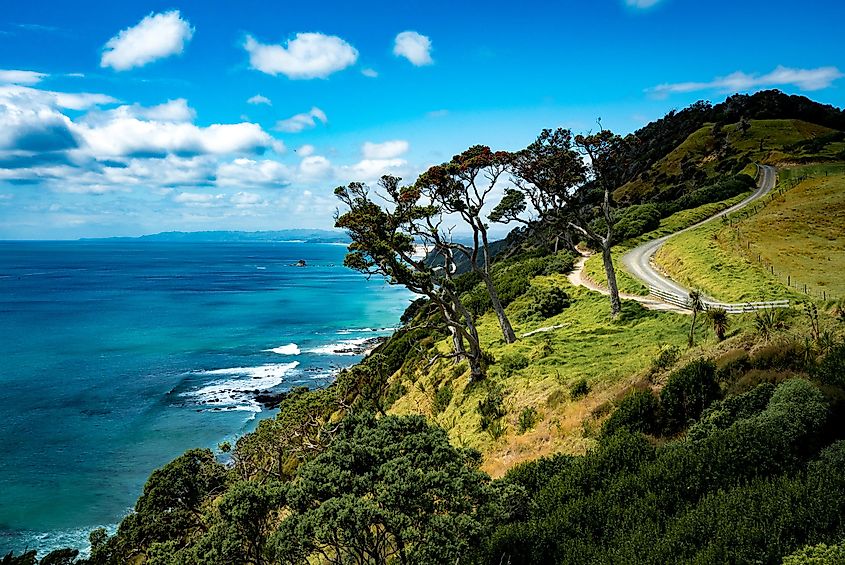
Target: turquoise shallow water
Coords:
[(115, 357)]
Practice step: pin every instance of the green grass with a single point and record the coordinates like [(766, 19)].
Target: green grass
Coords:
[(799, 234), (708, 259), (803, 233), (594, 268), (776, 135), (608, 354)]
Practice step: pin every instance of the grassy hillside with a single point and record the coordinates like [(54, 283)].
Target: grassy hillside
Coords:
[(677, 221), (700, 157), (609, 355), (799, 235)]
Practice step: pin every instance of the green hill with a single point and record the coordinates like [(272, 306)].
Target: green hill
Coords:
[(639, 439)]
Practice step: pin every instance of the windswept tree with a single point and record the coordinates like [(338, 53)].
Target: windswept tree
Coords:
[(462, 188), (383, 243), (562, 187), (546, 174)]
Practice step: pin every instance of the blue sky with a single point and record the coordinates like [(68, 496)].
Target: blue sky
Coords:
[(125, 118)]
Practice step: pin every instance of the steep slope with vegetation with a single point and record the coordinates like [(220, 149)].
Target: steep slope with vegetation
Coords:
[(590, 437)]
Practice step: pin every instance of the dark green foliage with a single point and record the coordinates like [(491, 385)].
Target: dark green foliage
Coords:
[(579, 389), (723, 413), (721, 190), (636, 220), (731, 364), (533, 475), (561, 262), (394, 489), (667, 357), (780, 355), (513, 279), (831, 370), (442, 398), (545, 302), (527, 419), (737, 495), (169, 508), (510, 363), (687, 393), (491, 408), (637, 412), (417, 308), (60, 557)]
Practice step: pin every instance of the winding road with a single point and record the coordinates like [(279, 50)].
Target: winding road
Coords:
[(638, 261)]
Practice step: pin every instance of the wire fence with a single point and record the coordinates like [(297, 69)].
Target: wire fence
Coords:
[(747, 246)]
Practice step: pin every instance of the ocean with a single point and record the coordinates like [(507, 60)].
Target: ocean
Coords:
[(117, 356)]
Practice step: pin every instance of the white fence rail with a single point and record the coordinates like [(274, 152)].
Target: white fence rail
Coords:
[(740, 308)]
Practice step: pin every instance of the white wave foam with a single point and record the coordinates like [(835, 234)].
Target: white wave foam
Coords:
[(348, 331), (289, 349), (343, 347), (235, 394)]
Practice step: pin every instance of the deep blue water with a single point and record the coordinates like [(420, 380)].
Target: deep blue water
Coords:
[(115, 357)]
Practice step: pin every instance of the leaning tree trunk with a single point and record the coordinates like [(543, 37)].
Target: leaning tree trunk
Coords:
[(610, 272), (504, 322), (469, 332)]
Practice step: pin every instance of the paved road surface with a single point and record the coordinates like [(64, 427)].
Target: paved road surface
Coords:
[(638, 260)]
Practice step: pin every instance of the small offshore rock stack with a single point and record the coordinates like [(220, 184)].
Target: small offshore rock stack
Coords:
[(301, 263)]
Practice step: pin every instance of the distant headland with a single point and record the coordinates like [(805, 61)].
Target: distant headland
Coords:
[(290, 235)]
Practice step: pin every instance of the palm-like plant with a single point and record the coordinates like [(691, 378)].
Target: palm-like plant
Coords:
[(720, 322), (696, 304)]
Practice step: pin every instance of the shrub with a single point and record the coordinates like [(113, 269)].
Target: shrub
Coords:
[(730, 364), (821, 554), (491, 407), (579, 389), (527, 419), (666, 357), (687, 393), (547, 302), (637, 412), (831, 370), (559, 263), (510, 363), (723, 413), (556, 398), (780, 356), (442, 398), (636, 220)]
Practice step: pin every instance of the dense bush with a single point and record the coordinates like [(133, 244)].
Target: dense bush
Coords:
[(721, 190), (527, 419), (737, 495), (636, 220), (545, 302), (831, 370), (491, 407), (637, 412), (442, 398), (780, 355), (723, 413), (509, 363), (687, 393)]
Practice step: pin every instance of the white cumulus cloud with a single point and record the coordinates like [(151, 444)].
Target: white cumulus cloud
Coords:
[(385, 150), (155, 37), (804, 79), (299, 122), (369, 73), (21, 77), (308, 55), (259, 99), (413, 46), (245, 172)]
